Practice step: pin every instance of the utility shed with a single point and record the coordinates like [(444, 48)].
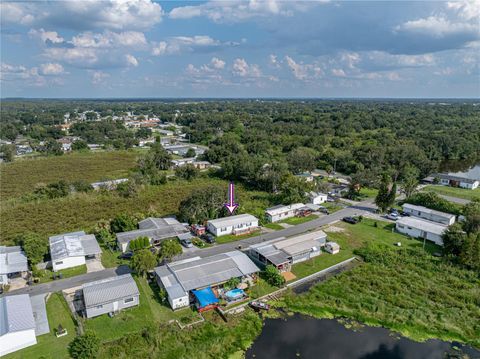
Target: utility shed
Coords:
[(110, 295), (17, 325), (283, 252), (70, 249), (420, 228), (429, 214), (156, 229), (241, 223), (12, 261)]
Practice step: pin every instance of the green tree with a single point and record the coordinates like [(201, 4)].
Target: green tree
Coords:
[(127, 189), (143, 261), (52, 147), (301, 159), (293, 190), (8, 152), (82, 186), (80, 145), (85, 346), (190, 153), (273, 276), (203, 205), (169, 249), (143, 132), (386, 193), (471, 211), (123, 223), (187, 172), (409, 180), (35, 247)]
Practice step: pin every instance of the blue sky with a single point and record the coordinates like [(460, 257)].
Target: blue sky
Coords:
[(143, 48)]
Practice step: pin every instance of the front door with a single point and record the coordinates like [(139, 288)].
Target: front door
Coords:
[(115, 306)]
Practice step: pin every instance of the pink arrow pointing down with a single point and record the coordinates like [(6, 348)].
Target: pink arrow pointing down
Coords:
[(231, 205)]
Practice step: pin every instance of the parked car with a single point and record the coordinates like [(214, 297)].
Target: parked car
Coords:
[(404, 214), (350, 220), (210, 239), (187, 243), (126, 255), (392, 216)]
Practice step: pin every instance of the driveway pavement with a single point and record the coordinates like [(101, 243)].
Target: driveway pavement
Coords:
[(40, 314)]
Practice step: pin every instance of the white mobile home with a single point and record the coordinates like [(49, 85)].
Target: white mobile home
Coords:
[(420, 228), (70, 249), (429, 214), (277, 213), (241, 223), (110, 295), (17, 324), (458, 181), (317, 197), (13, 262)]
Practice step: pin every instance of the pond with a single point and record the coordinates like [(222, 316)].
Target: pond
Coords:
[(305, 337)]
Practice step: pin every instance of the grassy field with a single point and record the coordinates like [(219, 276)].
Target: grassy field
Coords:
[(21, 176), (83, 211), (455, 192), (406, 290), (48, 345), (298, 220), (232, 237), (46, 275), (274, 226)]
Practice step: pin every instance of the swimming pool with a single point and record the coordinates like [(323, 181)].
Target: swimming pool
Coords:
[(234, 294)]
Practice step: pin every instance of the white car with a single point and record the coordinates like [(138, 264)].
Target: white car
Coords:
[(392, 216)]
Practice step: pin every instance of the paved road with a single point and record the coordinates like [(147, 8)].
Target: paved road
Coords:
[(358, 209), (61, 284)]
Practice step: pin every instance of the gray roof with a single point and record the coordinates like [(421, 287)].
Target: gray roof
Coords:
[(73, 244), (12, 260), (109, 290), (428, 210), (232, 220), (199, 272), (422, 224), (456, 178), (155, 228), (283, 208), (16, 314)]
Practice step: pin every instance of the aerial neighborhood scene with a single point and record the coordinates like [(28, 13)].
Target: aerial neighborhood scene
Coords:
[(240, 179)]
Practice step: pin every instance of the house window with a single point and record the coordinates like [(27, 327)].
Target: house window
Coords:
[(99, 306), (58, 263), (400, 226), (128, 300)]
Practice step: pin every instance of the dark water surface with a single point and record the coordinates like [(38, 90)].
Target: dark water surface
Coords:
[(304, 337)]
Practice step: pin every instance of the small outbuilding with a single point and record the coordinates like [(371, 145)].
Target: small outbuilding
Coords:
[(332, 247), (110, 295), (317, 197)]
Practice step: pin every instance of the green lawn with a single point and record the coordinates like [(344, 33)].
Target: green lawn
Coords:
[(110, 258), (46, 275), (321, 262), (150, 311), (298, 220), (232, 237), (368, 192), (261, 288), (21, 176), (464, 193), (48, 345), (332, 207), (274, 226)]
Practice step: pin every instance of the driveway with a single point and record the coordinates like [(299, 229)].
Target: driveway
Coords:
[(94, 265), (40, 314)]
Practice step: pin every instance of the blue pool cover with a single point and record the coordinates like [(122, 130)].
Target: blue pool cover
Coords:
[(205, 297), (235, 293)]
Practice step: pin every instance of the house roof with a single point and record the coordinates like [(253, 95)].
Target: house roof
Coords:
[(232, 220), (109, 290), (428, 210), (73, 244), (199, 272), (456, 178), (12, 260), (16, 314), (422, 224), (313, 194), (282, 208), (333, 245), (155, 228)]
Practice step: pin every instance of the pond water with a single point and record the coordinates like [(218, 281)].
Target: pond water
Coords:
[(305, 337)]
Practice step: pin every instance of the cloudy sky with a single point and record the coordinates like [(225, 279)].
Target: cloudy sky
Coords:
[(144, 48)]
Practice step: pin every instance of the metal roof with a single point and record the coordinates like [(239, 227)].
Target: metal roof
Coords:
[(16, 314), (155, 228), (73, 244), (199, 272), (428, 210), (282, 208), (456, 178), (422, 224), (109, 290), (12, 260), (232, 220)]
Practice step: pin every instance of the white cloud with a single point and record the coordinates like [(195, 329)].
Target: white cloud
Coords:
[(437, 26), (131, 60), (274, 61), (21, 74), (243, 69), (46, 36), (51, 69), (99, 77), (180, 44), (468, 10), (81, 15), (217, 63), (338, 73), (109, 39), (303, 71)]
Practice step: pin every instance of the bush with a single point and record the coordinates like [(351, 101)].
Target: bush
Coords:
[(85, 346), (123, 223), (434, 201), (143, 261), (273, 276)]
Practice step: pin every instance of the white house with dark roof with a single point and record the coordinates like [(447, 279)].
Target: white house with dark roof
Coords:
[(156, 229), (71, 249), (13, 261), (241, 223), (420, 228), (17, 324), (317, 197), (180, 278), (453, 180), (280, 212), (110, 295), (429, 214)]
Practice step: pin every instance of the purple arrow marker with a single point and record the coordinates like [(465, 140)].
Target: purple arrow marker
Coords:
[(231, 205)]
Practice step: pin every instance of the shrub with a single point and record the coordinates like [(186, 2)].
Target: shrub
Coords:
[(273, 276), (85, 346)]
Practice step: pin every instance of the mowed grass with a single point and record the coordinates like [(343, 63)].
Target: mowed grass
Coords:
[(21, 176), (298, 220), (46, 275), (464, 193), (48, 345)]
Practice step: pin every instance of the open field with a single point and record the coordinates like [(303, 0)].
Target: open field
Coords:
[(469, 194), (46, 275), (83, 211), (21, 176), (48, 345)]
